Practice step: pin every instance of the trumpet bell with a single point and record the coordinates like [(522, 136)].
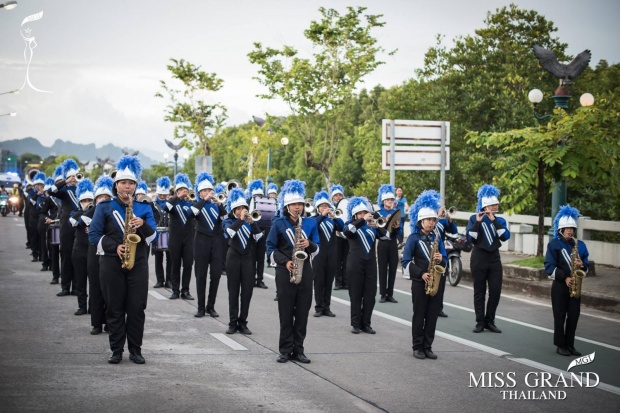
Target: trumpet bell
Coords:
[(232, 184), (79, 176), (192, 195), (338, 213), (221, 198), (256, 215), (380, 222), (300, 255)]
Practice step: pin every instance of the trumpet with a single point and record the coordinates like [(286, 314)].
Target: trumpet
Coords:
[(379, 222), (79, 176), (192, 196), (220, 198), (335, 213), (308, 206), (448, 212), (232, 184), (253, 217)]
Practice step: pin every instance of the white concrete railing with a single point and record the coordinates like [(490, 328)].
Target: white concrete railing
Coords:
[(523, 239)]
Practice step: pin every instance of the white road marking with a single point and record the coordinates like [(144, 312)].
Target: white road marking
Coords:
[(157, 295), (228, 341)]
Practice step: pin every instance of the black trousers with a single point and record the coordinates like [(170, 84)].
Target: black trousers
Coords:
[(44, 244), (566, 312), (34, 238), (79, 258), (387, 258), (426, 310), (342, 252), (125, 294), (294, 302), (240, 280), (54, 250), (362, 276), (159, 265), (208, 253), (96, 303), (324, 268), (486, 268), (260, 250), (181, 252), (66, 262)]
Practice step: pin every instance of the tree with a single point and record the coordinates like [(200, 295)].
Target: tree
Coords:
[(195, 119), (316, 89)]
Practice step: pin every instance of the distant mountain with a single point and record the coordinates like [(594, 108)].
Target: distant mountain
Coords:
[(84, 152)]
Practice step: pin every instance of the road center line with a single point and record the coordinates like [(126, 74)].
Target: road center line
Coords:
[(157, 295), (228, 341)]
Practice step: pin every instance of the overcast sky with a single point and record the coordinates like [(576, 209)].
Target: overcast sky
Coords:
[(103, 59)]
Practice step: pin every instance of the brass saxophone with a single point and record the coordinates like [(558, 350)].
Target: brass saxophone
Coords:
[(435, 271), (131, 239), (299, 255), (576, 273)]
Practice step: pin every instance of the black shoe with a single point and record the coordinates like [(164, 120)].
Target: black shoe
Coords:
[(187, 296), (174, 296), (158, 284), (479, 328), (80, 311), (328, 313), (224, 273), (391, 299), (106, 328), (244, 330), (563, 351), (355, 330), (116, 357), (262, 285), (301, 357), (419, 354), (73, 292), (337, 287), (96, 331), (368, 330), (492, 327), (34, 259), (573, 351), (443, 315), (275, 298), (318, 313), (200, 313), (63, 293), (135, 355), (231, 330), (45, 268), (430, 355), (283, 358), (54, 281), (382, 299), (212, 312)]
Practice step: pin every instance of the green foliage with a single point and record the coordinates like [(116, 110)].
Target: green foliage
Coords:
[(532, 262)]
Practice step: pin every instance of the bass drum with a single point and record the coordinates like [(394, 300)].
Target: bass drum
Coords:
[(163, 236), (55, 233), (343, 205), (267, 208)]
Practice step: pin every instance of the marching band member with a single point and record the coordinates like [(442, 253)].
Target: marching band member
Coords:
[(141, 192), (256, 189), (53, 209), (181, 237), (44, 210), (79, 256), (162, 190), (486, 231), (242, 234), (272, 190), (294, 299), (65, 191), (207, 243), (34, 199), (28, 193), (561, 261), (342, 245), (416, 262), (362, 232), (387, 250), (401, 203), (221, 189), (445, 224), (125, 290), (324, 264)]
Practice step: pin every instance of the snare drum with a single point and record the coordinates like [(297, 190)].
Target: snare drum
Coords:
[(55, 233), (162, 239)]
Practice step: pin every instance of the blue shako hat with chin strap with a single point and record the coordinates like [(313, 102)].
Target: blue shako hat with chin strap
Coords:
[(256, 187), (182, 181), (236, 198), (85, 189), (219, 189), (142, 188), (128, 167), (386, 191), (566, 217), (58, 175), (204, 180), (70, 168), (39, 178), (358, 204), (425, 206), (293, 191), (48, 183), (103, 186), (487, 195), (163, 186), (272, 189), (320, 198), (336, 189)]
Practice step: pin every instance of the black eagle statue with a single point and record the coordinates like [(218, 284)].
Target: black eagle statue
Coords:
[(126, 152), (172, 145), (566, 73)]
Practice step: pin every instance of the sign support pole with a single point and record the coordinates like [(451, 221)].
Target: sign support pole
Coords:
[(392, 152), (442, 176)]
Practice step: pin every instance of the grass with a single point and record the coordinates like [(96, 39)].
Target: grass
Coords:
[(532, 262)]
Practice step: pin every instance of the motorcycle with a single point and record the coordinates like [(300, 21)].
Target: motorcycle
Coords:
[(4, 208), (14, 204), (454, 244)]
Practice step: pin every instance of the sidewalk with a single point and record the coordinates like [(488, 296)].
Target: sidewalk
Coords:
[(601, 291)]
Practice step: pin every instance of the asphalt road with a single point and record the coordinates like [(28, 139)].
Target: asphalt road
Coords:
[(50, 362)]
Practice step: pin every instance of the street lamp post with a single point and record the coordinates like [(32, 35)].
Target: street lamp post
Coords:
[(9, 5), (9, 114)]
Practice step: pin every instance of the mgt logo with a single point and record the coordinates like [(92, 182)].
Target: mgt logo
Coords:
[(581, 361), (28, 37)]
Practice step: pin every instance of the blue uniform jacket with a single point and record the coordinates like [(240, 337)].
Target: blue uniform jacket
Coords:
[(416, 255), (362, 237), (280, 241), (487, 234), (557, 259), (327, 227), (240, 234)]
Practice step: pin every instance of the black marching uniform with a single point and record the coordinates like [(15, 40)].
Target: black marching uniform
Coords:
[(342, 252), (208, 252), (79, 257), (162, 222), (50, 208), (325, 263), (180, 243), (32, 214), (294, 300), (26, 195), (96, 303), (387, 258), (125, 291), (42, 229)]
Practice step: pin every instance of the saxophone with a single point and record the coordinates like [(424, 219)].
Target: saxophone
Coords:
[(576, 274), (435, 271), (131, 239), (299, 255)]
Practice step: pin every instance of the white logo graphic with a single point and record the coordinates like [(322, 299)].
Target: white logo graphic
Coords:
[(581, 361), (29, 50)]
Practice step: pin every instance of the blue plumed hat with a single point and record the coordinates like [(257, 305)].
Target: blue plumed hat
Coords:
[(181, 181), (320, 198), (256, 187), (70, 168), (272, 189), (336, 189), (204, 180), (293, 191), (219, 189), (103, 186), (357, 204), (128, 167), (85, 189), (39, 178), (49, 182), (236, 198), (142, 188), (58, 175), (386, 191), (567, 217), (425, 206), (163, 186), (487, 195)]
